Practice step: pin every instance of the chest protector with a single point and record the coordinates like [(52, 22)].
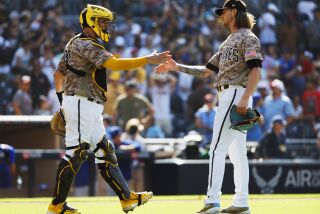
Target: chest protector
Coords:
[(98, 75)]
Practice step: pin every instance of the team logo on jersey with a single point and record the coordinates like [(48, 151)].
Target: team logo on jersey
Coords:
[(230, 53)]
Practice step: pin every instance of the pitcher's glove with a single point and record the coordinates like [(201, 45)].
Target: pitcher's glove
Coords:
[(245, 122), (58, 123)]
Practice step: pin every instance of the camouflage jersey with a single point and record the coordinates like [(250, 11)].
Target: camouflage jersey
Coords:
[(84, 54), (232, 56)]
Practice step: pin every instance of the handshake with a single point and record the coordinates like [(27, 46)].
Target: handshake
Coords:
[(164, 59)]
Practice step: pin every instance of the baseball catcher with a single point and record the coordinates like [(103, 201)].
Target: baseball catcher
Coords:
[(80, 83)]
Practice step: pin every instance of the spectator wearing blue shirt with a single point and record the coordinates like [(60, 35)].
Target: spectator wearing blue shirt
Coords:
[(205, 119), (7, 166), (255, 133), (277, 103)]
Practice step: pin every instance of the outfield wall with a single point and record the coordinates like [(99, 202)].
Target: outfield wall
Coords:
[(175, 177)]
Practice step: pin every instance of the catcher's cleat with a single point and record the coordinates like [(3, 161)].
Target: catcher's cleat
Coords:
[(61, 208), (210, 209), (239, 210), (136, 199)]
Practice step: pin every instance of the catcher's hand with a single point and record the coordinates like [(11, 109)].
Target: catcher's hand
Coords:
[(58, 123), (244, 122)]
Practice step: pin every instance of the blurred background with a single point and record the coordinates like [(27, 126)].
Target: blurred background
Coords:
[(170, 134)]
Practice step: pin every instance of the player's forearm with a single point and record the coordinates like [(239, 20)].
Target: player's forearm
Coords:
[(116, 64), (58, 81), (198, 71), (254, 78)]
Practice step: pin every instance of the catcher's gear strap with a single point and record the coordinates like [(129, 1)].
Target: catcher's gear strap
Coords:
[(116, 64), (81, 36), (108, 150)]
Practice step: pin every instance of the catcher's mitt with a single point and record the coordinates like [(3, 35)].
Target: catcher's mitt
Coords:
[(241, 122), (58, 123)]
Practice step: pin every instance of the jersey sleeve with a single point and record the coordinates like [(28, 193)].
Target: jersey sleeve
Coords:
[(95, 53), (251, 48), (62, 67), (213, 63)]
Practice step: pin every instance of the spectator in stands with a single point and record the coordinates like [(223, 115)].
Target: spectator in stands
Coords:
[(153, 130), (195, 100), (311, 101), (7, 166), (47, 63), (272, 145), (298, 110), (44, 107), (132, 136), (256, 133), (40, 84), (277, 103), (205, 119), (115, 89), (267, 25), (160, 89), (314, 32), (287, 64), (22, 101), (6, 93), (129, 149), (132, 105), (21, 59)]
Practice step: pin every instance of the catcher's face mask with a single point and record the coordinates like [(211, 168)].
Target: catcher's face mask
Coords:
[(99, 19)]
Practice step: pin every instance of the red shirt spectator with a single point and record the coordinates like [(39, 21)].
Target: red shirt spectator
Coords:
[(311, 100)]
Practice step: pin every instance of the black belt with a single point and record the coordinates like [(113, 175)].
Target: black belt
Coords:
[(222, 87), (89, 99)]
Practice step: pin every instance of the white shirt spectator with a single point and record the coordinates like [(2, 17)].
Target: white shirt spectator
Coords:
[(307, 7)]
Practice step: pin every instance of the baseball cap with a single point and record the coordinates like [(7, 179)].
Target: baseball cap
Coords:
[(232, 4), (277, 84), (115, 131), (278, 119), (130, 84)]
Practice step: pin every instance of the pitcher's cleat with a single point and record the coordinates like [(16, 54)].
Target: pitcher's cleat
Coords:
[(210, 209), (136, 199), (61, 208), (239, 210)]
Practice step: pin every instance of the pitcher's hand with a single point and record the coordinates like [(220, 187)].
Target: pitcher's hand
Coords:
[(169, 65), (242, 106), (157, 58)]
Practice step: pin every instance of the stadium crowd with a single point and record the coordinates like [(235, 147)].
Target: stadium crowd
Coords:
[(33, 35)]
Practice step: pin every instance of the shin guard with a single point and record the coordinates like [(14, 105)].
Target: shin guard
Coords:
[(66, 173), (110, 170)]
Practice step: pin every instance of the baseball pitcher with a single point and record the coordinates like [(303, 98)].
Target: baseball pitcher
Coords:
[(237, 65)]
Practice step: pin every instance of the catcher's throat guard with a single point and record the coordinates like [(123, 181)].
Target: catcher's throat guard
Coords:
[(245, 122)]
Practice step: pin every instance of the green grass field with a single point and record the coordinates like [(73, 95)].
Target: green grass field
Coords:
[(259, 204)]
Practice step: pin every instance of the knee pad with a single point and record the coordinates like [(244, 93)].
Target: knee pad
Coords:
[(108, 151), (77, 155)]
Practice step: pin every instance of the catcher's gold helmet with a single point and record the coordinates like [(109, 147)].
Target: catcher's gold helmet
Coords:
[(89, 17)]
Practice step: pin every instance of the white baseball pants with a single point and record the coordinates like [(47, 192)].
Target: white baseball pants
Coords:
[(229, 141)]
